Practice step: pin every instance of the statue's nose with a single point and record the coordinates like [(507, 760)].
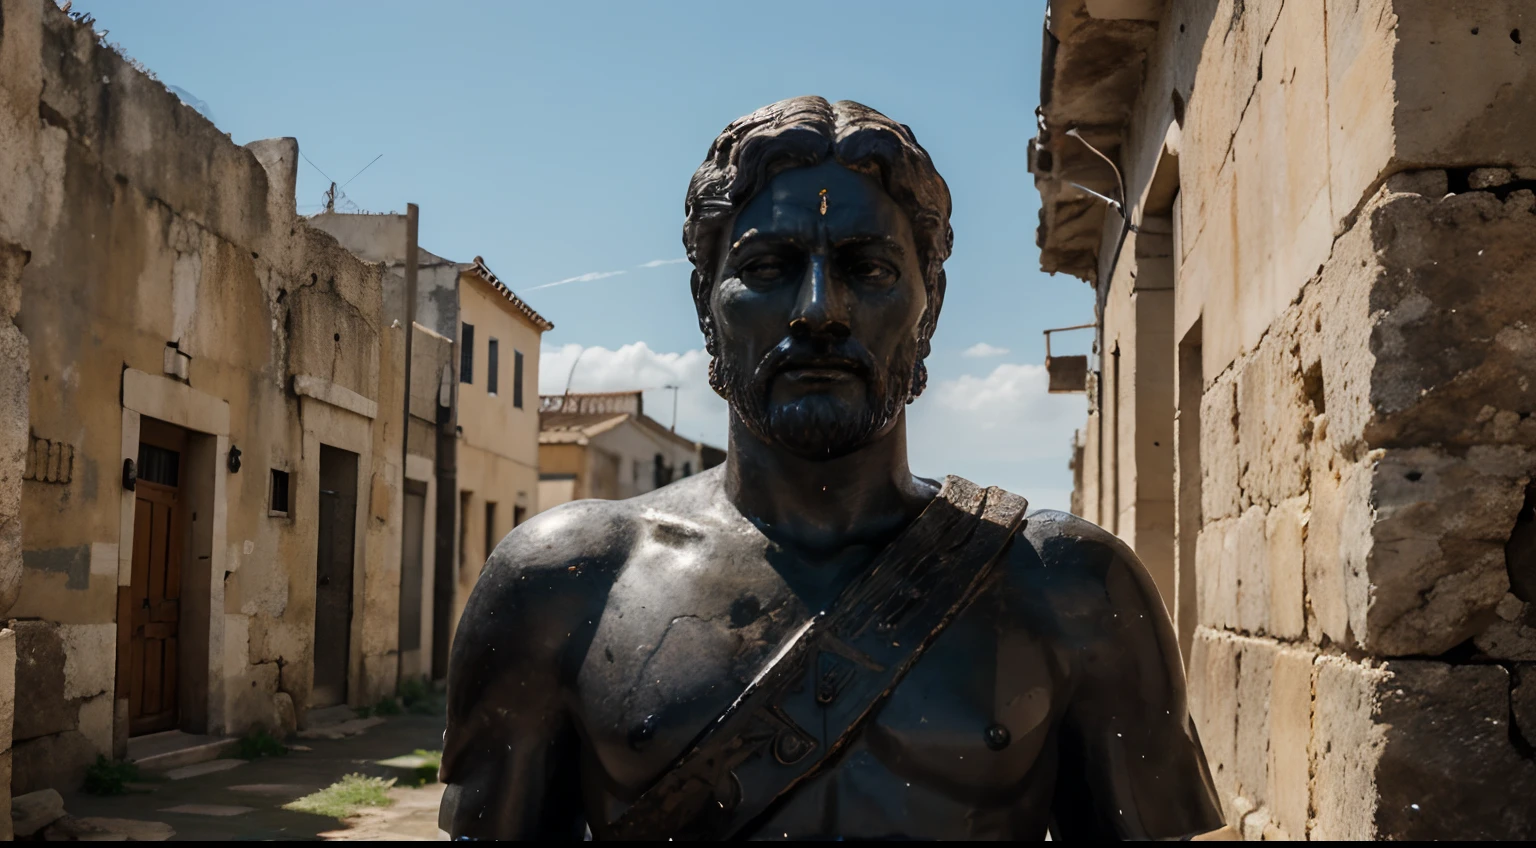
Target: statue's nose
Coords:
[(819, 308)]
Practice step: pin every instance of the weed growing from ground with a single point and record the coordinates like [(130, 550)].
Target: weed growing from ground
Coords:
[(345, 797), (385, 707), (427, 771), (419, 697), (257, 744), (109, 777)]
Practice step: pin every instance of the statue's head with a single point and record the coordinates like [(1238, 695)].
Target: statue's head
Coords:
[(818, 233)]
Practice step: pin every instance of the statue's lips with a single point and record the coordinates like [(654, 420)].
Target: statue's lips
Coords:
[(824, 371)]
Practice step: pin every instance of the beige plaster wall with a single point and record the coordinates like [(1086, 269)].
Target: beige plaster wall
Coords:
[(485, 476), (146, 226), (489, 422)]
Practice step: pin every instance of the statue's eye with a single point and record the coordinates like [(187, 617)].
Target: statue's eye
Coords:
[(871, 272), (766, 268)]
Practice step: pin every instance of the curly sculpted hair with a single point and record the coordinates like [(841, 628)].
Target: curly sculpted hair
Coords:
[(802, 132)]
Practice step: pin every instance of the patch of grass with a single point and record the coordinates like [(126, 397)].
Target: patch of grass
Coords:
[(427, 772), (109, 777), (257, 744), (345, 797), (385, 707), (419, 697)]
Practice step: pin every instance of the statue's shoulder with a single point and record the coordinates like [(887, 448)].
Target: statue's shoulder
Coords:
[(1070, 562), (581, 545), (1058, 535)]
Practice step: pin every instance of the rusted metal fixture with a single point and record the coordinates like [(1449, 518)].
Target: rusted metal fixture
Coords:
[(1068, 374)]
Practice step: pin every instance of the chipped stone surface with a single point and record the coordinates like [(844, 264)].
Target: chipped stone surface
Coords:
[(1290, 722), (133, 830), (1441, 718), (1284, 534), (41, 707), (59, 759), (1522, 702), (34, 811)]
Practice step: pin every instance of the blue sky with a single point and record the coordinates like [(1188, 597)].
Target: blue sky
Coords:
[(556, 140)]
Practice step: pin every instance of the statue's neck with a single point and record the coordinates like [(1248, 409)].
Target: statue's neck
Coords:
[(825, 506)]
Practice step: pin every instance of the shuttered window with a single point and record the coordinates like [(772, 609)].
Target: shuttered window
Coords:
[(517, 379), (492, 365), (467, 354)]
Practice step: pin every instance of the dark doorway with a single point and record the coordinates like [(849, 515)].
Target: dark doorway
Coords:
[(149, 614), (410, 566), (333, 575)]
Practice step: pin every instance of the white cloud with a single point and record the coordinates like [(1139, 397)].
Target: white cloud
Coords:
[(1000, 429), (581, 278), (982, 350), (657, 263), (701, 414)]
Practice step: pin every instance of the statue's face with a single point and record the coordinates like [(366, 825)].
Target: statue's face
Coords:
[(816, 307)]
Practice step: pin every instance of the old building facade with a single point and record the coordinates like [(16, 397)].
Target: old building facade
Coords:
[(498, 445), (603, 445), (210, 457), (1310, 228), (429, 501)]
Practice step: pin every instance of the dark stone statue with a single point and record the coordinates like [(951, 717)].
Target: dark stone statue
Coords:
[(809, 641)]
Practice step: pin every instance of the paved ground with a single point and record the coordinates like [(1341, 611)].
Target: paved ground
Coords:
[(239, 800)]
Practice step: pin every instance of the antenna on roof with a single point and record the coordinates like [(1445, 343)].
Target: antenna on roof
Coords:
[(674, 387), (571, 375)]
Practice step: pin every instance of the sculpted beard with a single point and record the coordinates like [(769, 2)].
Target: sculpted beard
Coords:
[(818, 425)]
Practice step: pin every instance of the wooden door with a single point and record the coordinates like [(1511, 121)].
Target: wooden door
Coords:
[(153, 609), (415, 514), (333, 575)]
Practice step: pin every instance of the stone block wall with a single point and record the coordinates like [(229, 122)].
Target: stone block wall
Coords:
[(1363, 575), (131, 226)]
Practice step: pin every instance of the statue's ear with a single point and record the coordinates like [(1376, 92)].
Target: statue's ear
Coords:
[(701, 309)]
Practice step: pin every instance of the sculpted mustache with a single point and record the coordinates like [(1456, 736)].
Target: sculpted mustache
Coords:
[(787, 356)]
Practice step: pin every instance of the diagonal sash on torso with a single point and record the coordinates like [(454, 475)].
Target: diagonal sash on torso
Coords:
[(813, 697)]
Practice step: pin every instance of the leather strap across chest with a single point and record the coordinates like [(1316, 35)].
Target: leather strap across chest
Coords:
[(814, 696)]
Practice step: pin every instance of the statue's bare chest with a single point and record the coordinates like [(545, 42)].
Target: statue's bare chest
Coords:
[(686, 629)]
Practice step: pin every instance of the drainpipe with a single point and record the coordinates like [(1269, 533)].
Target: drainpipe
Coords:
[(412, 219), (444, 569)]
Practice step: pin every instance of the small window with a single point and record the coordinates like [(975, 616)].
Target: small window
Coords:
[(519, 515), (279, 497), (492, 365), (687, 469), (490, 528), (159, 465), (465, 498), (467, 354), (517, 379)]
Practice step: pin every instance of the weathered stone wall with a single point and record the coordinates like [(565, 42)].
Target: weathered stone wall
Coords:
[(1365, 466), (167, 270), (1355, 244)]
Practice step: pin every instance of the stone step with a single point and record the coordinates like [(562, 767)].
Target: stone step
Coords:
[(174, 749)]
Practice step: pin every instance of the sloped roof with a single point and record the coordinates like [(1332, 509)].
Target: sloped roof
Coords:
[(576, 428), (481, 270)]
